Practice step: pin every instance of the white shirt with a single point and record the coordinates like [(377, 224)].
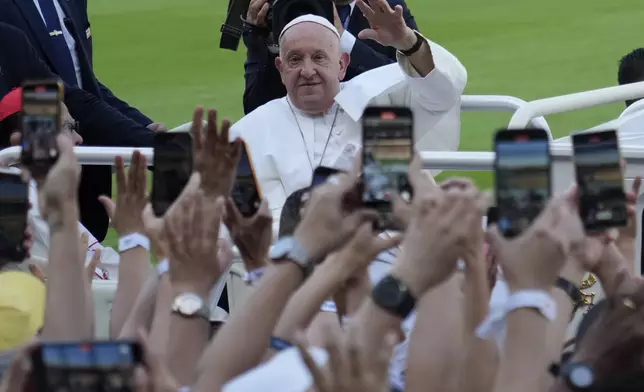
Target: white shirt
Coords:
[(71, 44), (284, 157)]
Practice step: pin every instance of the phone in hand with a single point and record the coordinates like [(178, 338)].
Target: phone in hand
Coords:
[(14, 206), (40, 125), (387, 150), (602, 200), (246, 193), (86, 366), (522, 169), (172, 168), (321, 174)]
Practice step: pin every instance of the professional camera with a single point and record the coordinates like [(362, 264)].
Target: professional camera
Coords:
[(280, 13)]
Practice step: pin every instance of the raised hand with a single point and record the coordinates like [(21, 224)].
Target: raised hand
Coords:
[(348, 369), (387, 25), (131, 196), (59, 191), (421, 182), (215, 157), (533, 259), (333, 214), (253, 235), (191, 226)]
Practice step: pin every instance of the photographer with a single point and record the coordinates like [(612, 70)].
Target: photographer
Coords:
[(263, 82)]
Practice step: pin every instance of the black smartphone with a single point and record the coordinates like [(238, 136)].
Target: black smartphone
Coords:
[(172, 168), (492, 216), (246, 192), (14, 205), (321, 173), (602, 200), (522, 178), (86, 366), (388, 147), (41, 122)]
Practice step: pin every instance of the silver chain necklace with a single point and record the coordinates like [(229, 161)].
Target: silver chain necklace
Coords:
[(328, 138)]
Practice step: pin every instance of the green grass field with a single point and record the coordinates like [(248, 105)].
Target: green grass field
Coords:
[(163, 56)]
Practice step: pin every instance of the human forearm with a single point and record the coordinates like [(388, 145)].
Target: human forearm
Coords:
[(66, 315), (160, 330), (188, 337), (134, 269), (249, 327), (305, 303), (524, 357), (143, 310)]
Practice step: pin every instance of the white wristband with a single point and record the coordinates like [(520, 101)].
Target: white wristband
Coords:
[(132, 241), (253, 276), (329, 306), (494, 323), (163, 267)]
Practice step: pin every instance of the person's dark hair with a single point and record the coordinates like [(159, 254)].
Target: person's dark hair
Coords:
[(290, 217), (613, 344), (8, 126), (631, 70)]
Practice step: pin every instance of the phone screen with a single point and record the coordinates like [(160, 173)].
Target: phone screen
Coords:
[(602, 201), (387, 150), (522, 178), (14, 204), (246, 193), (172, 168), (41, 116), (321, 173), (95, 366)]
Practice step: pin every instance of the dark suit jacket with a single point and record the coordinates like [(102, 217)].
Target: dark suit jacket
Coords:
[(263, 82), (24, 15), (102, 125)]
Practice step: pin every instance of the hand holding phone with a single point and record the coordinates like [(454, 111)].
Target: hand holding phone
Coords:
[(388, 148)]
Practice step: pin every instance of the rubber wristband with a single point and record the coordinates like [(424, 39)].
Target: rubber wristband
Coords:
[(253, 276), (132, 241)]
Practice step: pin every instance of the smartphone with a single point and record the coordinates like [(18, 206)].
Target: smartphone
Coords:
[(602, 200), (41, 123), (522, 178), (86, 366), (172, 168), (388, 147), (14, 205), (321, 173), (246, 192)]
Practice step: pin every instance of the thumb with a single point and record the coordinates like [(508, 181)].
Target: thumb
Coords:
[(368, 34), (494, 238), (359, 217), (108, 204)]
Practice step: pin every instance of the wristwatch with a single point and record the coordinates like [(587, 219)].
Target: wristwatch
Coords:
[(394, 296), (578, 376), (190, 305), (419, 42), (572, 290), (288, 248)]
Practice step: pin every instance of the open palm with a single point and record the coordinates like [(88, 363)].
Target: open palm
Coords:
[(387, 25)]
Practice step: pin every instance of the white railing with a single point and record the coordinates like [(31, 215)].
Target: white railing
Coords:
[(576, 101), (500, 103)]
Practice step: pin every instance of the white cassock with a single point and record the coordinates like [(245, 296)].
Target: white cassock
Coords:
[(286, 145)]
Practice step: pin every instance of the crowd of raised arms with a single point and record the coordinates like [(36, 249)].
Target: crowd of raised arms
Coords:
[(279, 341)]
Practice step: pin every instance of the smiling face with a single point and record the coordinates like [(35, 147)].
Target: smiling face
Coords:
[(312, 65)]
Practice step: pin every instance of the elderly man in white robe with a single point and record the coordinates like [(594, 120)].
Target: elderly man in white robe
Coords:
[(318, 122)]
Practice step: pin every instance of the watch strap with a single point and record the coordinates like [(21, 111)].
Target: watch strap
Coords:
[(419, 42), (571, 290), (405, 302), (289, 249)]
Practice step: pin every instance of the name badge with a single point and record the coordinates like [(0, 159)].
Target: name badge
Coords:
[(346, 159), (88, 32)]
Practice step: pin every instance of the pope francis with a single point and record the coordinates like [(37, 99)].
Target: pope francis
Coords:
[(318, 122)]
